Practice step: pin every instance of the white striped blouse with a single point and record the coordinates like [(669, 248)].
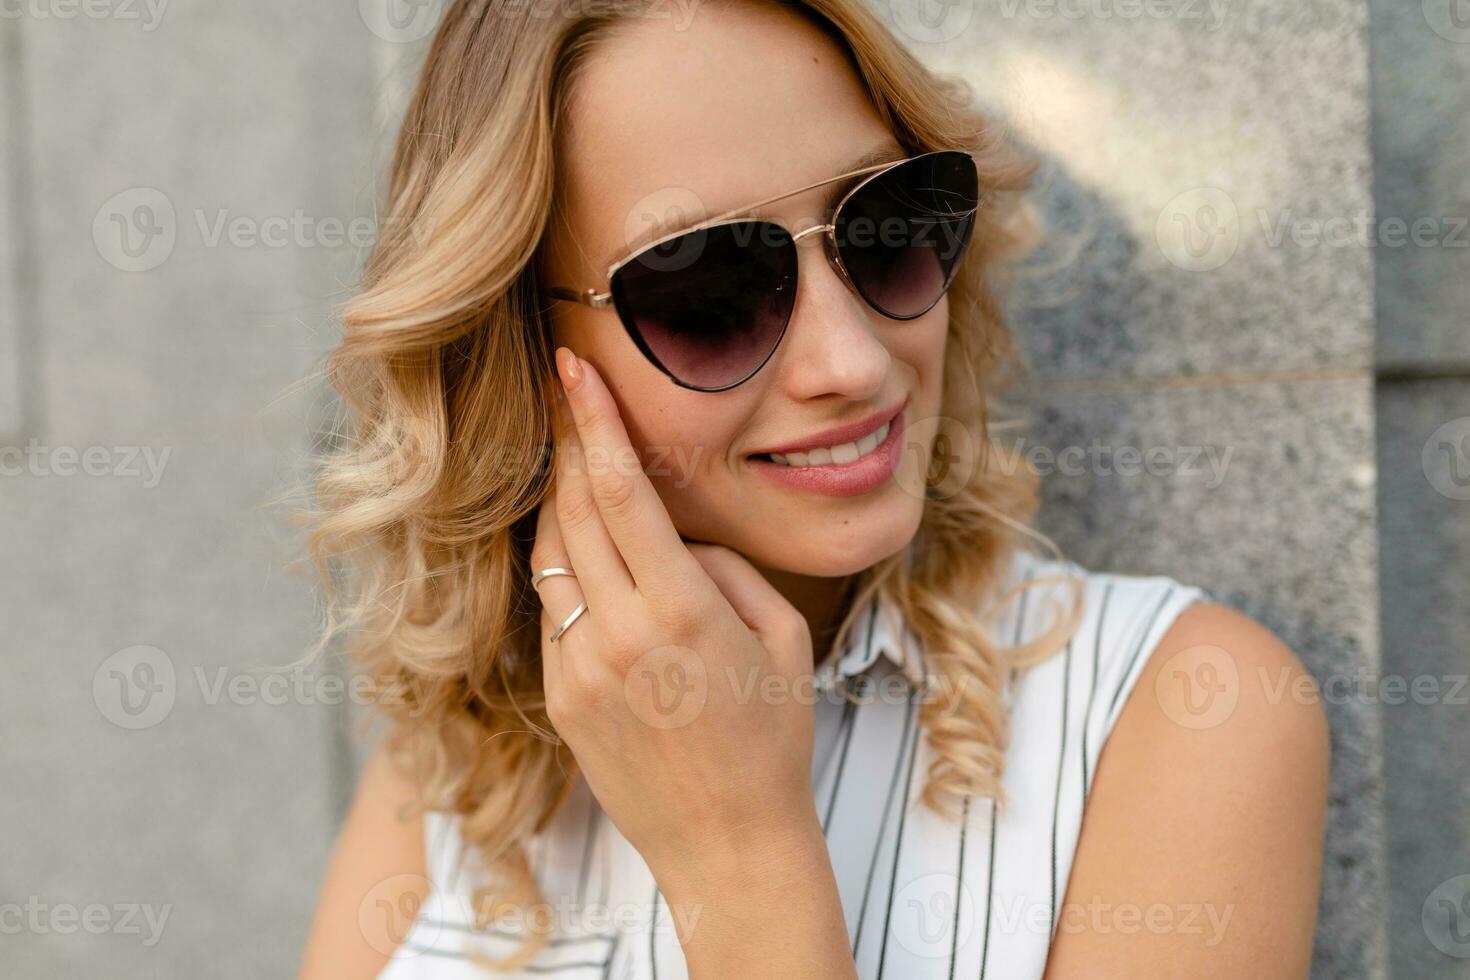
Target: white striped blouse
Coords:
[(924, 896)]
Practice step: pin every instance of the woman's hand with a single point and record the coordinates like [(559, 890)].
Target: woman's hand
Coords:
[(684, 689)]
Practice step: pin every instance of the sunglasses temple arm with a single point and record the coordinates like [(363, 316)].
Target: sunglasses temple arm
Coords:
[(870, 169), (589, 297), (736, 212)]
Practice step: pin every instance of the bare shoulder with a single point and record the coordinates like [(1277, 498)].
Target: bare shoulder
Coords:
[(378, 862), (1239, 693), (1204, 827)]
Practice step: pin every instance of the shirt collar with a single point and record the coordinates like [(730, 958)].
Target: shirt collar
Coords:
[(879, 631)]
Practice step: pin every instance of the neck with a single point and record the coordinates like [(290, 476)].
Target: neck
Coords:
[(822, 601)]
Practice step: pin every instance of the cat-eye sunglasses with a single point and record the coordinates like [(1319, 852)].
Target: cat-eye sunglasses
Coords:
[(708, 305)]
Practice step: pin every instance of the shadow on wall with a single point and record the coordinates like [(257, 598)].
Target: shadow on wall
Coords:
[(1258, 487)]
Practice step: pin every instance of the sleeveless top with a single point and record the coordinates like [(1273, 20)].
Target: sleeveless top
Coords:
[(924, 895)]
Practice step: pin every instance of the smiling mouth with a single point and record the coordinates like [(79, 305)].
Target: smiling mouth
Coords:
[(841, 454), (837, 456)]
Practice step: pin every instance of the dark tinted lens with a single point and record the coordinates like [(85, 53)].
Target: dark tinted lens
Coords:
[(903, 233), (710, 306)]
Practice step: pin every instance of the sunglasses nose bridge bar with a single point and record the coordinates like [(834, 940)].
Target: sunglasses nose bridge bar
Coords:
[(834, 259), (829, 229)]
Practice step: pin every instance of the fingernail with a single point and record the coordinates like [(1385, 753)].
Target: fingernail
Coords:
[(569, 368)]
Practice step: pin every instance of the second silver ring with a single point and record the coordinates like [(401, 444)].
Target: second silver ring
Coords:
[(547, 573)]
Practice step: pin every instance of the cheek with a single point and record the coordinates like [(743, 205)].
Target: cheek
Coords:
[(921, 345), (682, 440), (683, 451)]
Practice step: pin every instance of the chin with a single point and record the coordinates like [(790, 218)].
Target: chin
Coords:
[(832, 548)]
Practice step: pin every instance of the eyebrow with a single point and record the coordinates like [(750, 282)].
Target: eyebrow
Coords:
[(889, 151)]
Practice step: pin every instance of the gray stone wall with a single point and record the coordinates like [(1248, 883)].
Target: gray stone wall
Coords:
[(154, 765), (1201, 392), (177, 208), (1421, 142)]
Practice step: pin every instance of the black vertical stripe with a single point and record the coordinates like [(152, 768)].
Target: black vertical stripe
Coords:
[(872, 628), (460, 850), (845, 733), (652, 936), (959, 885), (898, 841), (545, 853), (989, 889), (436, 849), (849, 722), (1133, 657), (1102, 614), (1056, 800), (1020, 627), (994, 809), (605, 896), (587, 847), (908, 718), (607, 868)]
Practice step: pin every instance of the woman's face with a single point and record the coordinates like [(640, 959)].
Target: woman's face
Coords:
[(675, 122)]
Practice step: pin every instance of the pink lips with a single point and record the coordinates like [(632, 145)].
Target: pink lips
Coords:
[(842, 479)]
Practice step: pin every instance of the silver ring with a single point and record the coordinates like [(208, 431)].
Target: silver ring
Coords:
[(546, 573), (581, 608)]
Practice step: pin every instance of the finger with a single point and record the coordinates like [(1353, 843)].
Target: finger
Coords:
[(559, 595), (631, 508), (764, 610), (606, 582)]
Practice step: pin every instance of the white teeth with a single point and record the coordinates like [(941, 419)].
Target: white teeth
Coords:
[(848, 452)]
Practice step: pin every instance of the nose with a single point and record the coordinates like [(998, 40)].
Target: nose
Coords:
[(834, 344)]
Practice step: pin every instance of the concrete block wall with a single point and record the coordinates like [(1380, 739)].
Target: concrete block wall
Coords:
[(1189, 150), (1178, 311), (1421, 140), (160, 774)]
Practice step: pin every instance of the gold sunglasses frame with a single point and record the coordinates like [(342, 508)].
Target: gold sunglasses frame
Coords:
[(596, 299)]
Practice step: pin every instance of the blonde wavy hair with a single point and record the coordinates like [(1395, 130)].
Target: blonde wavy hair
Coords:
[(426, 505)]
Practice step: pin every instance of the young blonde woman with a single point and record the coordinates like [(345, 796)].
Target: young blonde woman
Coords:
[(755, 674)]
